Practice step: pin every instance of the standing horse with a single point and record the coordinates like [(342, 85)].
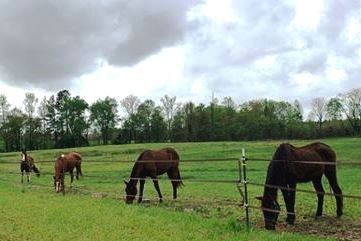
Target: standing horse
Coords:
[(290, 166), (151, 164), (66, 163), (27, 164)]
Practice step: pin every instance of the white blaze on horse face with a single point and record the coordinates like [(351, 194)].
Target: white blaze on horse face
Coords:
[(22, 157), (57, 186), (62, 155)]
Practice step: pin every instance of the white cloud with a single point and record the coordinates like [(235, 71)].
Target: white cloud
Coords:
[(286, 49)]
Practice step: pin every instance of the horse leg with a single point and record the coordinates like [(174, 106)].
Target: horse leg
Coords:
[(29, 176), (317, 184), (330, 174), (156, 186), (78, 172), (141, 189), (289, 197), (175, 183), (71, 178)]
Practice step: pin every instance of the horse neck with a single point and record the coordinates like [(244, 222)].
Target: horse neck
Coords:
[(137, 168), (274, 177), (59, 167)]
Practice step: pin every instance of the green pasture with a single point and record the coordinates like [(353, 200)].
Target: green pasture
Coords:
[(207, 208)]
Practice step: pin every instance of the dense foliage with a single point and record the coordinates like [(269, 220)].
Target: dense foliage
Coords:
[(66, 121)]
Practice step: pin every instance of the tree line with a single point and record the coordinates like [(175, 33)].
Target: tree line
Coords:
[(63, 120)]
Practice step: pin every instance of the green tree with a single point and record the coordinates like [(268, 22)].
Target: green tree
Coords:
[(12, 130), (158, 125), (334, 109), (144, 120), (104, 116)]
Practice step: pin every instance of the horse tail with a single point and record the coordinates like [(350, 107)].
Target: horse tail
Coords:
[(36, 170), (178, 182), (79, 169)]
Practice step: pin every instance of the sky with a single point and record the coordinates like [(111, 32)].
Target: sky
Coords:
[(281, 50)]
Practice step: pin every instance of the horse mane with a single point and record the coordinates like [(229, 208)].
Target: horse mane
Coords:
[(283, 151)]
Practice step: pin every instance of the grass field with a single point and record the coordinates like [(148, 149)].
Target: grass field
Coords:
[(94, 208)]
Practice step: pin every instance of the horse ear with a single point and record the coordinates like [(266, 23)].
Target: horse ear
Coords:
[(259, 198)]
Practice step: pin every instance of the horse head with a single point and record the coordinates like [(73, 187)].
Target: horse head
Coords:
[(58, 183), (59, 175), (131, 191), (271, 210)]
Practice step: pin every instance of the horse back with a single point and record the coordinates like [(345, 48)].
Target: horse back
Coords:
[(159, 161), (305, 163)]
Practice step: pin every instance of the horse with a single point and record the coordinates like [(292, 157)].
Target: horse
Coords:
[(152, 163), (27, 164), (66, 163), (292, 165)]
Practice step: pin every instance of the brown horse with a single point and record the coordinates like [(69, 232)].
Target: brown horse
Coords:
[(291, 165), (151, 164), (66, 163), (27, 165)]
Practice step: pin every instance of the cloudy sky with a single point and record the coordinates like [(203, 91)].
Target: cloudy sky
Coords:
[(245, 49)]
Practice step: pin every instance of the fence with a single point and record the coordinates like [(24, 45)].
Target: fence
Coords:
[(195, 180), (244, 182)]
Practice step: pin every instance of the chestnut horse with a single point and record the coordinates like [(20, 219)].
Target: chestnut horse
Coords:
[(27, 164), (66, 163), (152, 163), (291, 165)]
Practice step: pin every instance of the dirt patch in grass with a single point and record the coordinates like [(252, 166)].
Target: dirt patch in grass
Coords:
[(343, 229)]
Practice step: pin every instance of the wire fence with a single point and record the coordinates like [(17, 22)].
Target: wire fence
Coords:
[(204, 160), (243, 162)]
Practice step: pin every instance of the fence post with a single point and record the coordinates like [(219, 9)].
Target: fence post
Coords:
[(244, 182)]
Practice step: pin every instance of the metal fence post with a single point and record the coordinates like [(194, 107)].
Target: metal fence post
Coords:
[(244, 182)]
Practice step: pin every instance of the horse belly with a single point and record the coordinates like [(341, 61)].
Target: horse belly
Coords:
[(307, 173)]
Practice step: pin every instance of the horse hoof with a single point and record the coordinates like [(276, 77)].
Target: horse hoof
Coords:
[(160, 200), (290, 220), (339, 214)]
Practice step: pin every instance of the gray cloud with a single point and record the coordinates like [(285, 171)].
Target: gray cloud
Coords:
[(228, 57), (49, 43)]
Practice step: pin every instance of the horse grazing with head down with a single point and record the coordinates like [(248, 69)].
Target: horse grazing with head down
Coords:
[(66, 163), (152, 163), (292, 165), (27, 165)]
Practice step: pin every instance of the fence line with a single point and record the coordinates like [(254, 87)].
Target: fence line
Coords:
[(242, 181), (204, 160), (147, 178), (307, 162), (304, 190), (246, 182), (86, 191)]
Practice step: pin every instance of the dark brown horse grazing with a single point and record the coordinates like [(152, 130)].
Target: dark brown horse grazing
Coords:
[(151, 164), (289, 166), (66, 163), (27, 165)]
